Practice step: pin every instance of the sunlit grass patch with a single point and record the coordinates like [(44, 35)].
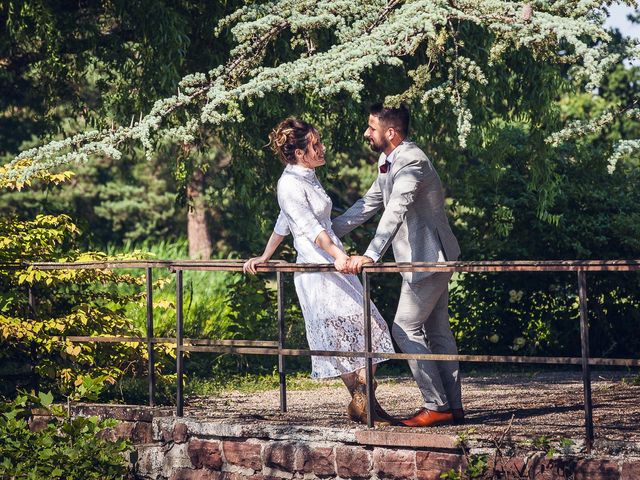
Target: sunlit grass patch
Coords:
[(255, 383)]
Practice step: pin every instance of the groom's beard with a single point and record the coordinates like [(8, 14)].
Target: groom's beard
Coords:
[(378, 146)]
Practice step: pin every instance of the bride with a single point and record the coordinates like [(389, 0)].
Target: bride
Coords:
[(331, 302)]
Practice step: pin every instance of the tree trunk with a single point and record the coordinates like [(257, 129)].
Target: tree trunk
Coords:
[(197, 226)]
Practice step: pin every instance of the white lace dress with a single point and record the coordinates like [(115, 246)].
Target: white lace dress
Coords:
[(331, 302)]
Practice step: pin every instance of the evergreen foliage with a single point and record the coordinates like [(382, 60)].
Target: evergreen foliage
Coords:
[(331, 47), (595, 216)]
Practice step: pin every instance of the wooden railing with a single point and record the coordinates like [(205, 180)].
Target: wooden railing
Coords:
[(263, 347)]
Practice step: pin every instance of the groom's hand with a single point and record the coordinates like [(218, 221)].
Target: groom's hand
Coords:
[(356, 262)]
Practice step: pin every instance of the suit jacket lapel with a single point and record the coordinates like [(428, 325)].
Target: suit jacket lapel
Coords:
[(386, 180)]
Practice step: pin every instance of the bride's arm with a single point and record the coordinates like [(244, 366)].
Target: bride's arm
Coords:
[(272, 245), (324, 242)]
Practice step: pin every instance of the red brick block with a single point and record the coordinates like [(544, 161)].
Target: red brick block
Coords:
[(125, 413), (430, 465), (321, 462), (189, 474), (630, 471), (353, 462), (237, 476), (143, 433), (180, 433), (233, 476), (205, 453), (123, 430), (280, 455), (396, 464), (242, 453), (383, 438), (302, 462), (594, 469), (137, 432), (506, 467)]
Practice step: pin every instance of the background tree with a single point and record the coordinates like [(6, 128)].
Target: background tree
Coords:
[(324, 58), (69, 66)]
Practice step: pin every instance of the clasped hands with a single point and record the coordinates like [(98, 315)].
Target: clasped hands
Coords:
[(351, 264)]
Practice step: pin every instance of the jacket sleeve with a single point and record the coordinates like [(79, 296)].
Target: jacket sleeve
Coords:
[(360, 212), (406, 182)]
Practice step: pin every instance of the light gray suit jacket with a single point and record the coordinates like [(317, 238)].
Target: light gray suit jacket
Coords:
[(414, 218)]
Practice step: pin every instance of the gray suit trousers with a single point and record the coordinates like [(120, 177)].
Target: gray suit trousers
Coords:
[(422, 325)]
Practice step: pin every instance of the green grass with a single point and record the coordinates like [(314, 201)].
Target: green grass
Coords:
[(206, 313), (256, 383)]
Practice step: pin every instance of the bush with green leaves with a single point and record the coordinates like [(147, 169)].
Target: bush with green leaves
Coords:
[(216, 305), (62, 448), (67, 302)]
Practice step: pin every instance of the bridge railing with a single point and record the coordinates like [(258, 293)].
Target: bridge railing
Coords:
[(265, 347)]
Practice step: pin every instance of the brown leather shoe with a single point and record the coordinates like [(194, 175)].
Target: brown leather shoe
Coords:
[(428, 418), (458, 416)]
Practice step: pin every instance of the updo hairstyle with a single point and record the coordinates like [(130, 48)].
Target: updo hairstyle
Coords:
[(289, 135)]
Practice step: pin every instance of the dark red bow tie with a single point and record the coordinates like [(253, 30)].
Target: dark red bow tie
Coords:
[(384, 168)]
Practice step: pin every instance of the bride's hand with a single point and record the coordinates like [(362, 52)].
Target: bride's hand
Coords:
[(341, 262), (251, 264)]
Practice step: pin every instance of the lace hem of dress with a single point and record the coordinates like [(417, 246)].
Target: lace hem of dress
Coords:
[(318, 376)]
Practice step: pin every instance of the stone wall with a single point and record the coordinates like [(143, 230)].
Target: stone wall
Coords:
[(169, 448), (262, 459)]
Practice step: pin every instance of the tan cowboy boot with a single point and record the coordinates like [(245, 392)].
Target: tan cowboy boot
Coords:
[(357, 409)]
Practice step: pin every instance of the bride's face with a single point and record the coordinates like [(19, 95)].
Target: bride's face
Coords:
[(313, 156)]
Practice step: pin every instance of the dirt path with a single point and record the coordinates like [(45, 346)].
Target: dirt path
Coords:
[(549, 404)]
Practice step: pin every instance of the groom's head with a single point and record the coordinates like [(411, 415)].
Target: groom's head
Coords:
[(387, 127)]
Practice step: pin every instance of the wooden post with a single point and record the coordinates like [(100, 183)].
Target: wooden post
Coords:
[(150, 350), (367, 346), (281, 340), (586, 373), (179, 352)]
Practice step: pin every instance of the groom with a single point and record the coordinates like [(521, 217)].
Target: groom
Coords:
[(415, 223)]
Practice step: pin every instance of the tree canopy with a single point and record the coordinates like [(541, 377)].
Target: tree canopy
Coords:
[(435, 54)]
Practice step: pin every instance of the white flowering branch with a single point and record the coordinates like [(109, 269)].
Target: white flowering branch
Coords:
[(368, 34), (578, 129)]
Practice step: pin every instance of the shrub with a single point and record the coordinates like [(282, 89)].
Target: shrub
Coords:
[(63, 448), (33, 343)]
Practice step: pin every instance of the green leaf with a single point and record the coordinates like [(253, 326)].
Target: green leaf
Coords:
[(46, 399)]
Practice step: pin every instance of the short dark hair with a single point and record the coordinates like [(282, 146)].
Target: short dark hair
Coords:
[(396, 118)]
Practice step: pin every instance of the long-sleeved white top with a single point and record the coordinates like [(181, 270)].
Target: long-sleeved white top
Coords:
[(305, 211)]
